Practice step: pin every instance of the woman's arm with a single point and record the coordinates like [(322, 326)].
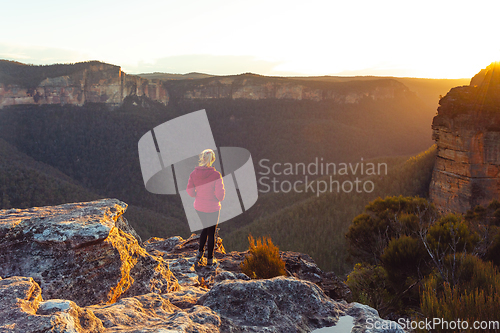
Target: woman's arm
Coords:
[(220, 192), (191, 190)]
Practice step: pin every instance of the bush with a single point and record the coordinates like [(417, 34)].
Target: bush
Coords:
[(370, 285), (451, 232), (404, 259), (474, 298), (493, 250), (264, 260), (383, 220), (391, 287)]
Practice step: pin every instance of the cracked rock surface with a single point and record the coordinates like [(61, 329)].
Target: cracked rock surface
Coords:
[(81, 268)]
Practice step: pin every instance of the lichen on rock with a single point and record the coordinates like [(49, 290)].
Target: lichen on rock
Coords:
[(23, 310), (96, 276), (77, 251)]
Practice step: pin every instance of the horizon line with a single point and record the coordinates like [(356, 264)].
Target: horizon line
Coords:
[(243, 73)]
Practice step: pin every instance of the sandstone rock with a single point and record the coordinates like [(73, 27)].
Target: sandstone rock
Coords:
[(276, 305), (163, 244), (94, 82), (177, 246), (23, 310), (303, 267), (186, 297), (281, 304), (237, 305), (180, 255), (232, 260), (78, 252), (467, 134), (154, 313), (82, 255), (225, 275), (367, 317), (123, 225), (98, 82), (256, 87)]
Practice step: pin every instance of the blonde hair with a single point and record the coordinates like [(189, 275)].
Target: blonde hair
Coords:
[(207, 157)]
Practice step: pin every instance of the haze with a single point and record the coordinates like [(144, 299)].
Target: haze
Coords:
[(446, 39)]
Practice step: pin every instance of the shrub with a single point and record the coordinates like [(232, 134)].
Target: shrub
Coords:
[(369, 285), (474, 298), (485, 222), (404, 259), (391, 287), (383, 220), (451, 233), (493, 250), (488, 215), (263, 261)]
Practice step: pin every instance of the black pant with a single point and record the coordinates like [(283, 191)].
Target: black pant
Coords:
[(209, 232)]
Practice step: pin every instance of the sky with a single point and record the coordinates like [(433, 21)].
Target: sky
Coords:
[(433, 39)]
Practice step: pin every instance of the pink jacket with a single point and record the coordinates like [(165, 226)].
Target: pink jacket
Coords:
[(206, 186)]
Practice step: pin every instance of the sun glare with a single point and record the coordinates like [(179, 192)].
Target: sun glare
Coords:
[(386, 38)]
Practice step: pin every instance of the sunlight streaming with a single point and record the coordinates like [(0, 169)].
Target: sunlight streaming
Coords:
[(279, 38)]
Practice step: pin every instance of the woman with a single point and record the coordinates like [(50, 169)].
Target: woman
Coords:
[(206, 186)]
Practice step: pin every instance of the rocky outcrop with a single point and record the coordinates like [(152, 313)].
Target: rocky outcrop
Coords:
[(303, 267), (287, 304), (68, 249), (104, 83), (95, 276), (299, 265), (23, 310), (250, 86), (97, 83), (155, 313), (467, 134), (281, 304), (363, 314)]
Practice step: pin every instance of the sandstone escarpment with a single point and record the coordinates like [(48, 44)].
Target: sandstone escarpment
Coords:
[(68, 249), (467, 134), (96, 83), (255, 87), (85, 271)]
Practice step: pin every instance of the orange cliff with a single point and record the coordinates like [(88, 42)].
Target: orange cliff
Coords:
[(96, 83), (467, 133)]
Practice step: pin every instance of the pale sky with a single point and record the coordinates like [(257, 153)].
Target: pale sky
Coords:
[(438, 39)]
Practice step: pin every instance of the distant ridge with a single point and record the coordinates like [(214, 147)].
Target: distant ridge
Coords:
[(427, 89), (30, 76), (170, 76), (76, 84), (111, 88)]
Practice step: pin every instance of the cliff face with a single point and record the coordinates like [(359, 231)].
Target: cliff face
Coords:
[(249, 86), (97, 83), (103, 83), (467, 134)]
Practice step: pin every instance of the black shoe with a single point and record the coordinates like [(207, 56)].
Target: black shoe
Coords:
[(211, 262), (198, 257)]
